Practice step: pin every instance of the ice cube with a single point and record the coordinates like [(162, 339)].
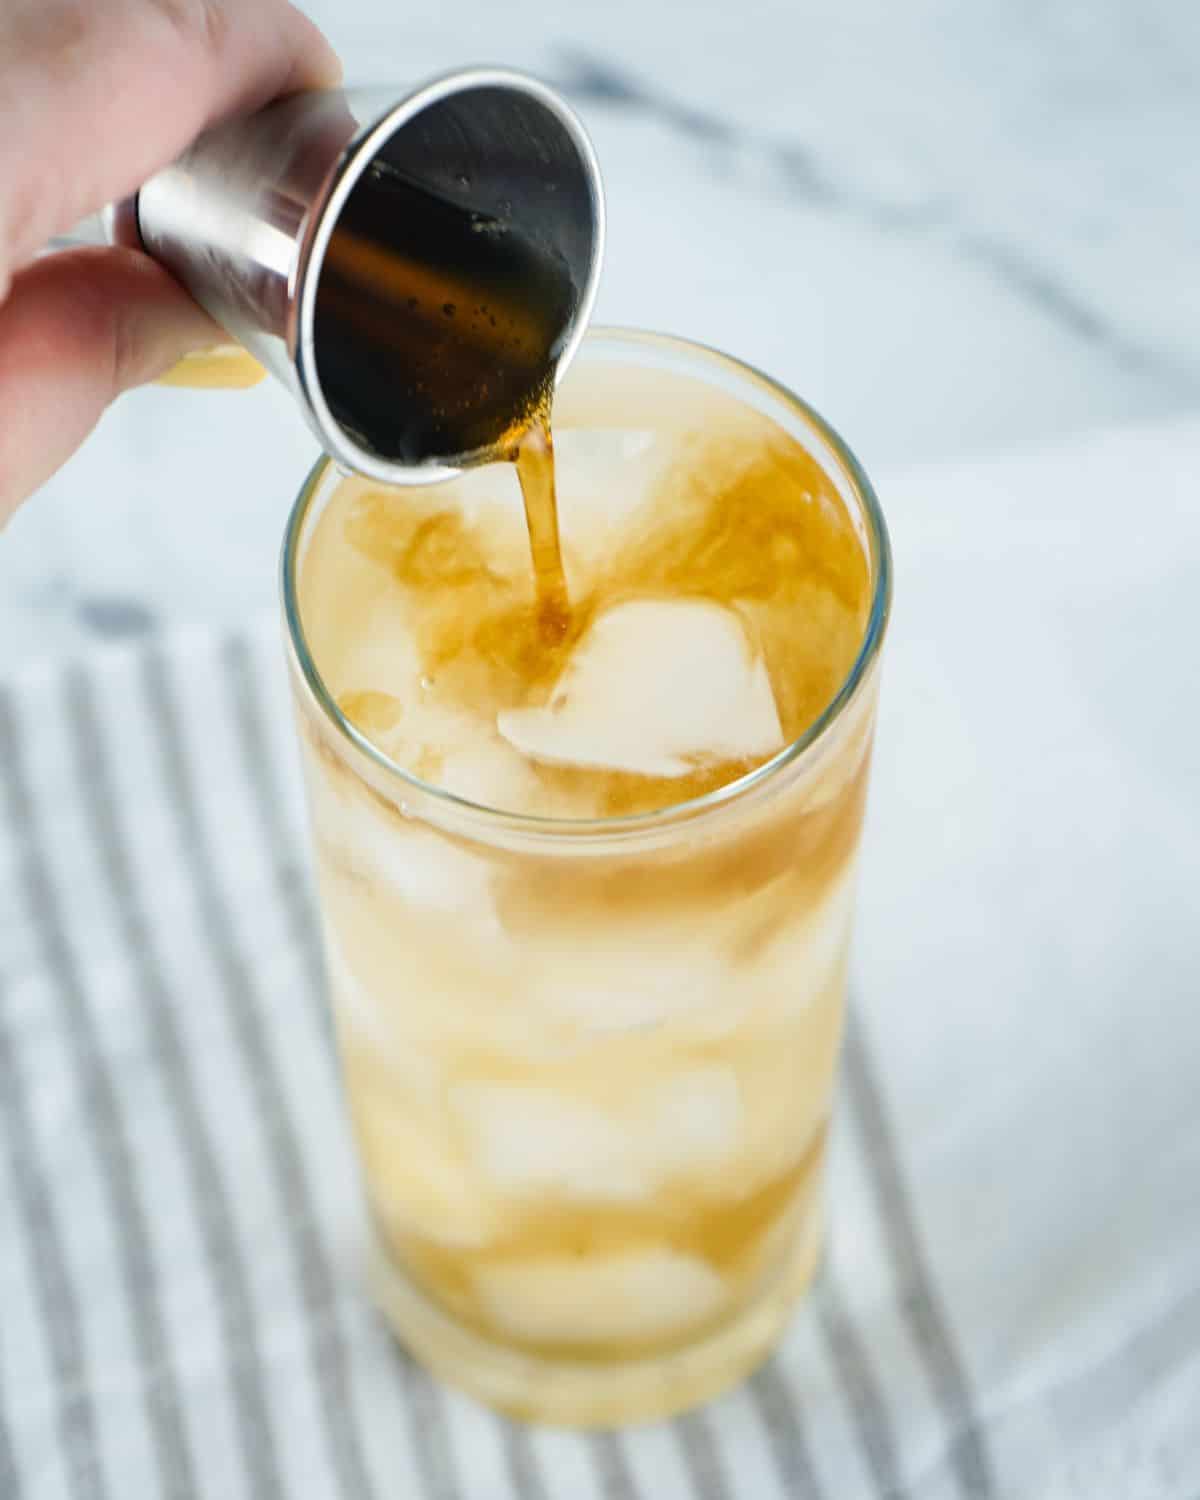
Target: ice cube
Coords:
[(353, 1004), (694, 1120), (787, 1082), (606, 474), (416, 1182), (367, 1025), (379, 655), (415, 864), (640, 1294), (456, 750), (808, 957), (489, 772), (654, 687), (531, 1140), (620, 981)]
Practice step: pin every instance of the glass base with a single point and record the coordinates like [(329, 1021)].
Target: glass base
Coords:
[(576, 1393)]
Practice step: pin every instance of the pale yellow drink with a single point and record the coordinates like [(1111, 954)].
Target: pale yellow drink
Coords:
[(588, 895)]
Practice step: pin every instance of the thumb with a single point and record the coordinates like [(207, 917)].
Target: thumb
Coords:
[(76, 330)]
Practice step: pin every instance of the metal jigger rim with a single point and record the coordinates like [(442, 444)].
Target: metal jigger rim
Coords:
[(322, 221)]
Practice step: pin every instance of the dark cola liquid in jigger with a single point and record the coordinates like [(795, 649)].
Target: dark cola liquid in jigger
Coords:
[(436, 338), (446, 293)]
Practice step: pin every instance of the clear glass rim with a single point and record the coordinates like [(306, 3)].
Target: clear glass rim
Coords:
[(478, 816)]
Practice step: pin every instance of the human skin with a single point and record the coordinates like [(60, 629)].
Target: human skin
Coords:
[(95, 96)]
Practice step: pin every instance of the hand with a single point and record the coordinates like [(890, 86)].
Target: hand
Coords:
[(96, 96)]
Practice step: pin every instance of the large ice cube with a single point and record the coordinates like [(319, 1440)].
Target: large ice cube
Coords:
[(528, 1140), (654, 687), (614, 981), (532, 1140), (639, 1295)]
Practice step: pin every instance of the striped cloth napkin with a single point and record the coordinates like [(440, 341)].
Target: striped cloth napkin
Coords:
[(1011, 1302)]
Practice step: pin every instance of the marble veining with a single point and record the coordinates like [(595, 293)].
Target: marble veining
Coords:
[(802, 174), (953, 228)]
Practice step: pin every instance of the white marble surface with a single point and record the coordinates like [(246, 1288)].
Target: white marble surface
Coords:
[(953, 227)]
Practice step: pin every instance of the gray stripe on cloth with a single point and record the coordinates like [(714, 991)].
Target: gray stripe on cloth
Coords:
[(430, 1435), (333, 1367), (117, 1165), (208, 1191), (427, 1425), (701, 1455), (772, 1397), (612, 1467), (919, 1304), (524, 1473), (311, 1259), (58, 1306), (286, 867), (860, 1384)]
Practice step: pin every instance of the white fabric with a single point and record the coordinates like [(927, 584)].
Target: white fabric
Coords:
[(1011, 1305)]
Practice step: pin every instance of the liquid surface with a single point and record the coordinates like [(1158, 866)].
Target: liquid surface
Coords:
[(691, 604)]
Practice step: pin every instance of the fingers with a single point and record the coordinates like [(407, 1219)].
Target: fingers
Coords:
[(99, 94), (76, 330), (96, 96)]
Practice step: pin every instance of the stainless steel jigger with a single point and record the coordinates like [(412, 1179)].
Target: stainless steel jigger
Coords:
[(488, 170)]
